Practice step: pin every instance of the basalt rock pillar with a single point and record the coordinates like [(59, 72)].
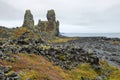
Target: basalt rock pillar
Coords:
[(28, 19)]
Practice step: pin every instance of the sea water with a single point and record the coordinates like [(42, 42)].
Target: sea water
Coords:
[(109, 35)]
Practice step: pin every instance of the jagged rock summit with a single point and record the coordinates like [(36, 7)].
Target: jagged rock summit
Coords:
[(51, 16)]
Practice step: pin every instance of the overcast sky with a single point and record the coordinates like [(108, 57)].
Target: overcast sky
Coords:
[(78, 16)]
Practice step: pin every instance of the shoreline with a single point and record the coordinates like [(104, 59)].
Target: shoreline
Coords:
[(107, 35)]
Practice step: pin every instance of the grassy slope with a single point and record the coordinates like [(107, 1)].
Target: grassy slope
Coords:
[(35, 67), (38, 68)]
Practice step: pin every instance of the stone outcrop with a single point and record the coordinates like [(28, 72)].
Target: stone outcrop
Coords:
[(44, 28), (28, 19)]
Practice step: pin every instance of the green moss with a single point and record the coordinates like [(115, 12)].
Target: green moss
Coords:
[(28, 74), (9, 73), (62, 57), (83, 70), (44, 47), (115, 75), (45, 77), (116, 42), (60, 40), (111, 72)]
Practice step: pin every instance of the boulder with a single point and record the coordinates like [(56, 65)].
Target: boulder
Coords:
[(1, 54)]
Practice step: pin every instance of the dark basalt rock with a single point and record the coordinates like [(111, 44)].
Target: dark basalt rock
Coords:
[(6, 75), (28, 19), (57, 33), (94, 60), (6, 57), (39, 22), (1, 54), (68, 58)]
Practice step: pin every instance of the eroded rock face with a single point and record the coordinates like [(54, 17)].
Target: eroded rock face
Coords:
[(28, 19)]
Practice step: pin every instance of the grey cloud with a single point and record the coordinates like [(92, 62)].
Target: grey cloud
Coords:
[(109, 17), (89, 15), (8, 12)]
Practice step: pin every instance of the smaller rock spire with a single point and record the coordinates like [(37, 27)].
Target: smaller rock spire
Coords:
[(39, 22), (57, 28)]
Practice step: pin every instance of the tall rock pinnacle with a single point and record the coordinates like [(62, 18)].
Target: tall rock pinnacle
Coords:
[(51, 15), (28, 19)]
